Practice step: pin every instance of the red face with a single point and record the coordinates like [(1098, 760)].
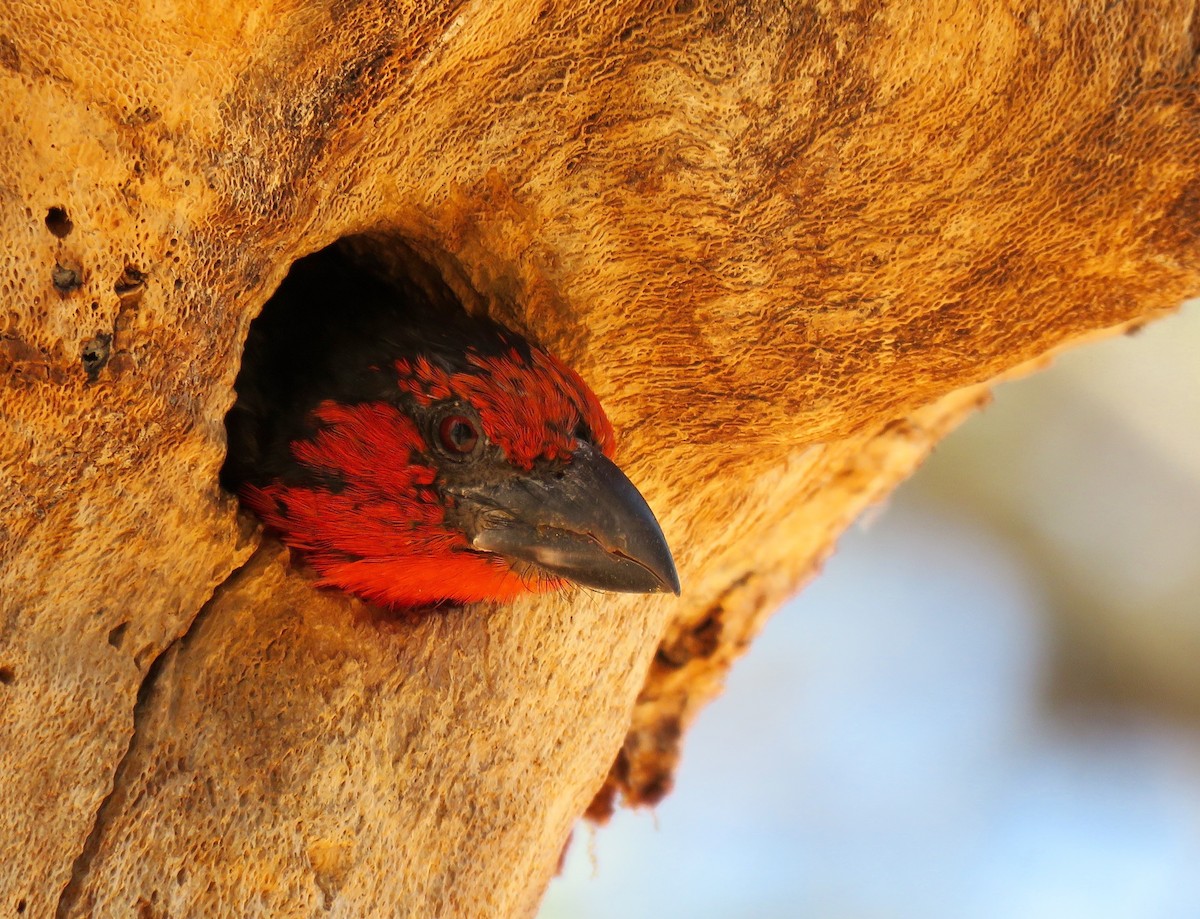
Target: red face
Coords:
[(481, 483)]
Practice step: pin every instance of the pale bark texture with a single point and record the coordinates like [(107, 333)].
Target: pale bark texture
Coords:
[(788, 245)]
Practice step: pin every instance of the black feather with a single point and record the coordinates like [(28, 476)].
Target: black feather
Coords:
[(333, 330)]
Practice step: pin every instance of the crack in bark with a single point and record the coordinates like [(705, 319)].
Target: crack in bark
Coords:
[(81, 867)]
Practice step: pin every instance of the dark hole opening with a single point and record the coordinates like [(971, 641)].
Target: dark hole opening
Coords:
[(7, 675), (58, 223), (338, 311)]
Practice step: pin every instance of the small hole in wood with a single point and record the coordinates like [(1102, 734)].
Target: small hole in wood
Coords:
[(58, 223), (94, 354), (66, 277), (130, 282), (117, 635)]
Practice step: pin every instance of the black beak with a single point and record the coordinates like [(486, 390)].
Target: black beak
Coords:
[(585, 522)]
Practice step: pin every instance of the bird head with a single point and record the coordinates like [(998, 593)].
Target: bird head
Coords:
[(459, 466)]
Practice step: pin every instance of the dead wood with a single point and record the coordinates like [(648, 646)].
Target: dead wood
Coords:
[(788, 245)]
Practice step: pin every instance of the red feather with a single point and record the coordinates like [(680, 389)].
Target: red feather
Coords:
[(328, 436), (381, 534)]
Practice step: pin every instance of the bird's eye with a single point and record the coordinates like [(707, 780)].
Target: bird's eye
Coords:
[(458, 434)]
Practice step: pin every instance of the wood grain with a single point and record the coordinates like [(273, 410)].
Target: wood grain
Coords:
[(788, 245)]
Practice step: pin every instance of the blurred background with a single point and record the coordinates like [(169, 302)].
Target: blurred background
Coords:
[(987, 707)]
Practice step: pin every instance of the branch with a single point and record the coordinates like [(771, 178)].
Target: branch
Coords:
[(789, 248)]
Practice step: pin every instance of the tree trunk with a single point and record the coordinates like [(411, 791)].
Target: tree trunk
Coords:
[(788, 246)]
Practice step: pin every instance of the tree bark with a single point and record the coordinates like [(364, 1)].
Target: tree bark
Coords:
[(788, 245)]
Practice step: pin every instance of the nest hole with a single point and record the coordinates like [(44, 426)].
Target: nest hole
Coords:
[(344, 292)]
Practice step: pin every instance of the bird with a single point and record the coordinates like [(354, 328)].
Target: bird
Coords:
[(415, 455)]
